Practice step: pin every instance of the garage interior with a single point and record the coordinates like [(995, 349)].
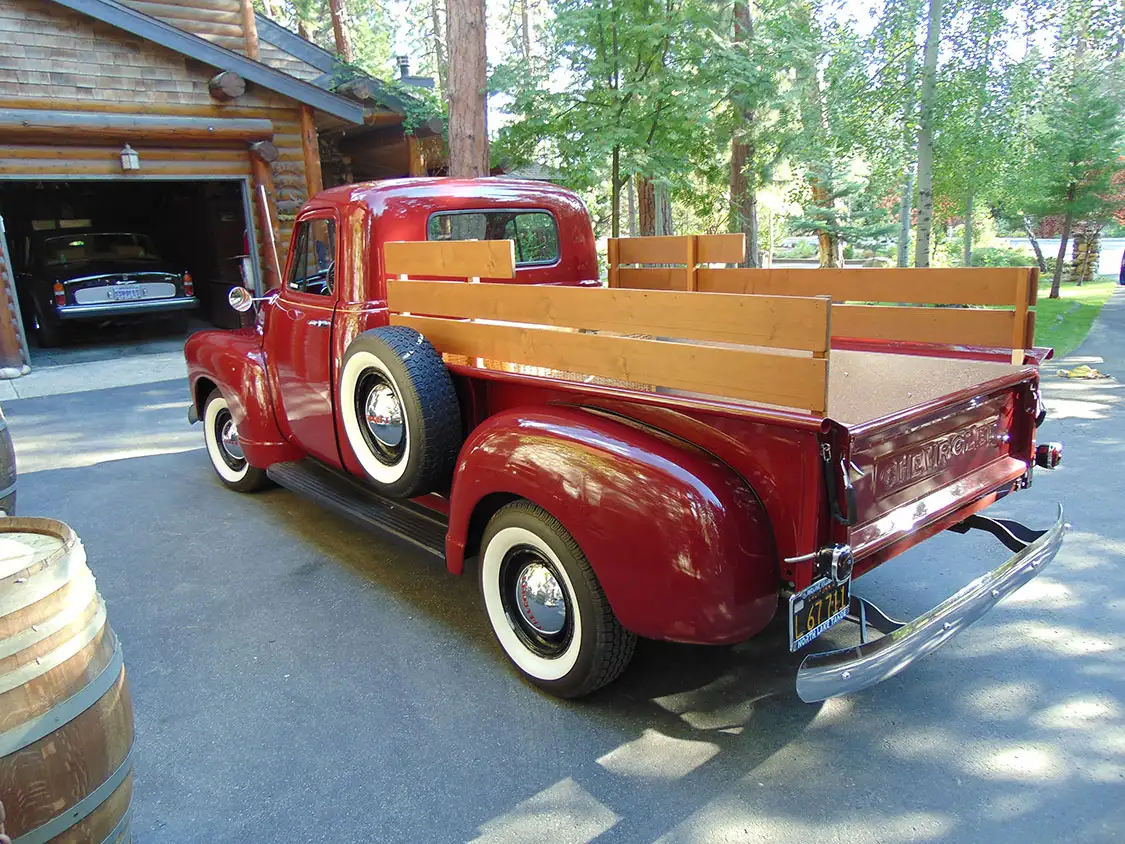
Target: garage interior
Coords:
[(200, 225)]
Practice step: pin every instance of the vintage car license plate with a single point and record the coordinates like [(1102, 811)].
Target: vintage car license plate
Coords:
[(126, 294), (817, 608)]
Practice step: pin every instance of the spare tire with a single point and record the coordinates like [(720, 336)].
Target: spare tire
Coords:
[(400, 411)]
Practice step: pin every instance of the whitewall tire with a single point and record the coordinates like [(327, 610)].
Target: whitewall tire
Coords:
[(220, 434), (400, 411), (545, 605)]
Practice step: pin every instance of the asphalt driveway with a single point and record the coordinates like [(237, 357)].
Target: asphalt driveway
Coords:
[(297, 679)]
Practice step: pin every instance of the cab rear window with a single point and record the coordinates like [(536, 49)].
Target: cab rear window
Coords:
[(535, 233)]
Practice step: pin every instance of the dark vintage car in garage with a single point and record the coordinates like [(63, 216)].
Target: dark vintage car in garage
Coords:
[(98, 276)]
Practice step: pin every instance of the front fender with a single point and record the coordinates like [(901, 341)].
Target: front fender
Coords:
[(680, 544), (234, 362)]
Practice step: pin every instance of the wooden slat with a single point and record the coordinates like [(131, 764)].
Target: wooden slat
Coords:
[(784, 322), (652, 250), (956, 286), (731, 373), (956, 326), (31, 169), (451, 258), (721, 248), (651, 278)]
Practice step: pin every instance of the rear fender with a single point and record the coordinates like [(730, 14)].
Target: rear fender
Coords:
[(680, 544), (233, 362)]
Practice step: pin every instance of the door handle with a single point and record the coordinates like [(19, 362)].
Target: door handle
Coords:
[(319, 323)]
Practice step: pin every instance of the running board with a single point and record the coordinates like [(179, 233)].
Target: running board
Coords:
[(418, 526)]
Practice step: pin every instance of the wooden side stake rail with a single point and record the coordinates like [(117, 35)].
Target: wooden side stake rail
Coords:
[(735, 373), (685, 251), (781, 322), (450, 258)]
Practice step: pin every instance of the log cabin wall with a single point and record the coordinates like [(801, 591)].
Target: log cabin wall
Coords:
[(218, 21), (57, 60)]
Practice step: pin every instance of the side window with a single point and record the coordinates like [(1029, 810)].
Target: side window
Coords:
[(314, 258), (534, 232)]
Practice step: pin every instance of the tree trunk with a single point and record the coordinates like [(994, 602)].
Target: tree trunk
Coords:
[(1064, 235), (615, 193), (1039, 259), (468, 129), (967, 251), (525, 31), (663, 203), (902, 257), (646, 207), (926, 138), (271, 8), (743, 182), (441, 36), (340, 30), (631, 196), (830, 250)]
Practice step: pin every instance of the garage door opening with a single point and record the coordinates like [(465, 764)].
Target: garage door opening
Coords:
[(116, 254)]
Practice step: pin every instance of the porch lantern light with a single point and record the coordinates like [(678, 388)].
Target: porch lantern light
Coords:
[(129, 158)]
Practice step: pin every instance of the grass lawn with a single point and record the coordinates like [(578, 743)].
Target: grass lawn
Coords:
[(1064, 322)]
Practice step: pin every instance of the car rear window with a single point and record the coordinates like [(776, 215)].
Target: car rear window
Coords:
[(535, 233), (97, 247)]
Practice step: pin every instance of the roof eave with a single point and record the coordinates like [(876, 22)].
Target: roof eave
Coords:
[(166, 35)]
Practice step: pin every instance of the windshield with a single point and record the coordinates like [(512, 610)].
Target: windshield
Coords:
[(98, 247)]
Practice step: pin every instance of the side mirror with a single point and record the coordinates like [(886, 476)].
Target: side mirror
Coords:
[(240, 299)]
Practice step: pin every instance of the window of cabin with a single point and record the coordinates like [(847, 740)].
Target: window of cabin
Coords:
[(535, 233), (314, 257)]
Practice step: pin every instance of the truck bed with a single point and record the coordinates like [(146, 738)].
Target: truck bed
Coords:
[(867, 386)]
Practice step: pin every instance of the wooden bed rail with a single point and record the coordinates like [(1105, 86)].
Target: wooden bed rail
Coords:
[(867, 304), (687, 250), (766, 349)]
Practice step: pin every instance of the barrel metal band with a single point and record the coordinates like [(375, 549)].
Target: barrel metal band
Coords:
[(53, 659), (45, 581), (80, 810), (121, 829), (82, 591), (65, 711)]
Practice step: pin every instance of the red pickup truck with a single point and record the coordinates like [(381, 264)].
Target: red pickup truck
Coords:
[(677, 455)]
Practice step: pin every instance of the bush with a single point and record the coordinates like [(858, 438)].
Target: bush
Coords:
[(999, 256)]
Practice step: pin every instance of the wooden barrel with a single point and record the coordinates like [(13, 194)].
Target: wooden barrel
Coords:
[(66, 720)]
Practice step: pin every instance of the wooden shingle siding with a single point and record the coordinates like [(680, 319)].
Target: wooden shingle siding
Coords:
[(55, 59), (281, 60), (218, 21)]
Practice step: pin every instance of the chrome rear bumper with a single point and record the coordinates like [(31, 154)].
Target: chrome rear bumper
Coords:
[(840, 672), (139, 306)]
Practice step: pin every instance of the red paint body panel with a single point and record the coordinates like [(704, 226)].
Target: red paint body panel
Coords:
[(233, 361), (678, 541), (685, 506)]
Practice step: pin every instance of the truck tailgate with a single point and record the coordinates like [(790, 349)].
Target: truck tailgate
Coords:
[(920, 466)]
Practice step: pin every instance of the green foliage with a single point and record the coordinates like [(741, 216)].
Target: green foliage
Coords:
[(842, 207), (998, 256)]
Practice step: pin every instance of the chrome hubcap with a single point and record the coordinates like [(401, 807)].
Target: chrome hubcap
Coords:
[(383, 414), (228, 437), (539, 598)]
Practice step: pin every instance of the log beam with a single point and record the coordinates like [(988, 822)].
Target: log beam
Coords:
[(263, 191), (227, 86), (84, 127), (310, 145), (264, 151), (250, 29)]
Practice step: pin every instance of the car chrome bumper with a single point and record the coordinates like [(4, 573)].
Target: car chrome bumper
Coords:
[(142, 306), (840, 672)]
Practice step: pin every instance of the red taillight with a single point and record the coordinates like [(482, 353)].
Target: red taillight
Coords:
[(1048, 455), (60, 294), (189, 285)]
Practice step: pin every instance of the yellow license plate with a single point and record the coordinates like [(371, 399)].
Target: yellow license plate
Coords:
[(817, 608)]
